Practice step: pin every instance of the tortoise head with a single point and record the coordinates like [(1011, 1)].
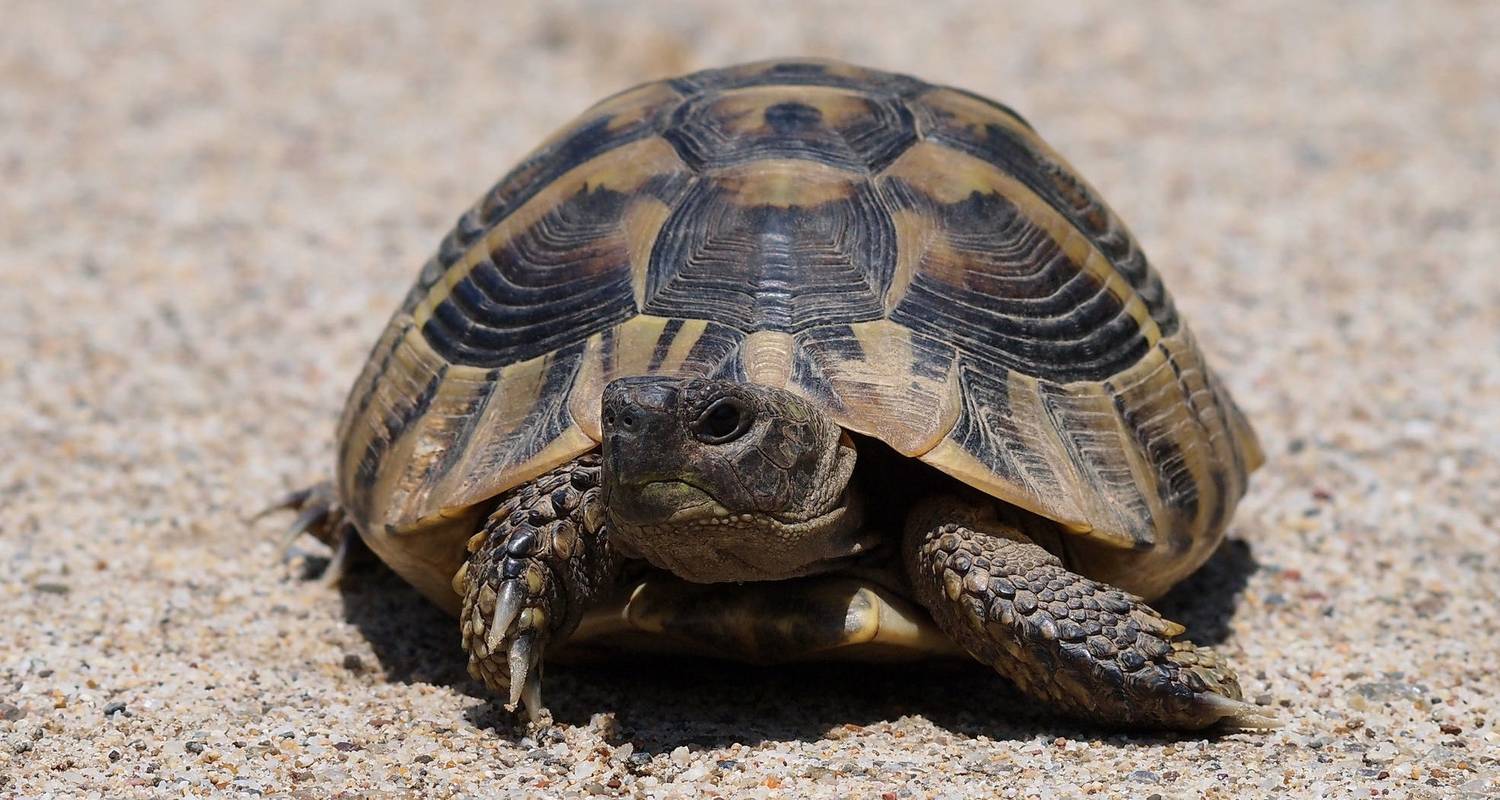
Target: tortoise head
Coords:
[(722, 481)]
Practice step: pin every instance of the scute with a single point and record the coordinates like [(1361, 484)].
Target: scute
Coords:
[(843, 128), (912, 258)]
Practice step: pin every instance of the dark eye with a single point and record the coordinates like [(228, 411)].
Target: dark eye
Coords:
[(725, 420)]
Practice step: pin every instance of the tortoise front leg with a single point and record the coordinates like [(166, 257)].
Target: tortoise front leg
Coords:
[(542, 559), (1084, 647)]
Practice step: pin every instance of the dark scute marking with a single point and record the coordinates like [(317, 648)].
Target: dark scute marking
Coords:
[(1010, 297), (548, 418), (790, 118), (375, 368), (706, 135), (714, 348), (934, 359), (995, 104), (834, 344), (892, 147), (589, 139), (1095, 446), (536, 172), (663, 344), (715, 354), (1184, 488), (396, 421), (560, 281), (1175, 485), (468, 417), (772, 268), (987, 428), (1062, 190)]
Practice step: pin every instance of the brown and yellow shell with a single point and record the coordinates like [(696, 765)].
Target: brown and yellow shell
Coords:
[(912, 258)]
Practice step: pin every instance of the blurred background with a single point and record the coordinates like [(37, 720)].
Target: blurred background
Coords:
[(209, 210)]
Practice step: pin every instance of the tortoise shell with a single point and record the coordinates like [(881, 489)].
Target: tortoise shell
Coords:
[(912, 258)]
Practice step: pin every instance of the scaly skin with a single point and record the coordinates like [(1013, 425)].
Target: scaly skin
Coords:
[(1083, 647), (541, 560)]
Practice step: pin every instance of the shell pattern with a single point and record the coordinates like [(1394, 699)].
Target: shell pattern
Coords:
[(911, 257)]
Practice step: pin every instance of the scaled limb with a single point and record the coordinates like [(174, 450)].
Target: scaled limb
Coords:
[(541, 560), (1084, 647)]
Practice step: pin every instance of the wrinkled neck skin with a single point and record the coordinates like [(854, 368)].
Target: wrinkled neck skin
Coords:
[(718, 481)]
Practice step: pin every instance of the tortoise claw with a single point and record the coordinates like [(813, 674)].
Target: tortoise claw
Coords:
[(523, 659), (1240, 715), (308, 519), (319, 515), (338, 565), (531, 697), (290, 500), (507, 607)]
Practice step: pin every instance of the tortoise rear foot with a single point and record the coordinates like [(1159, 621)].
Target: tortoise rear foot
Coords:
[(318, 515), (542, 559), (1084, 647)]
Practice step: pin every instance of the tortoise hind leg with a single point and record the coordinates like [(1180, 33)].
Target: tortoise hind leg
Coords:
[(320, 516), (1084, 647), (543, 558)]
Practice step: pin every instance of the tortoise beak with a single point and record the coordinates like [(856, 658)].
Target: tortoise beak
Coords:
[(643, 451)]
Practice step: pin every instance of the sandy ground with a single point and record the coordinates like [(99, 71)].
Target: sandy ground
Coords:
[(209, 210)]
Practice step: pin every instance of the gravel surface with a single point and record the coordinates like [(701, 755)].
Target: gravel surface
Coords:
[(209, 210)]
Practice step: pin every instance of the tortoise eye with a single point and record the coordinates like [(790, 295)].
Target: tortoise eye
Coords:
[(725, 420)]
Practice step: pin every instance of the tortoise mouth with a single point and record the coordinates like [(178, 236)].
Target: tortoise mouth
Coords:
[(662, 502), (705, 543)]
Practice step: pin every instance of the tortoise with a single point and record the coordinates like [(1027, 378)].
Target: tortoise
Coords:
[(796, 360)]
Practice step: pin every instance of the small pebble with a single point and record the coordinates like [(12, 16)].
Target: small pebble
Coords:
[(1382, 753), (115, 707), (681, 756)]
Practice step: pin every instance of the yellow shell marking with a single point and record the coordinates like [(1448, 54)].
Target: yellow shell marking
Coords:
[(786, 182)]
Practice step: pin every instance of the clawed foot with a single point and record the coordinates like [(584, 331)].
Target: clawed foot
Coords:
[(540, 560), (505, 620), (1216, 691), (1084, 647), (320, 516)]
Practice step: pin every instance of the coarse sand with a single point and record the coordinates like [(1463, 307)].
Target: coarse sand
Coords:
[(208, 211)]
